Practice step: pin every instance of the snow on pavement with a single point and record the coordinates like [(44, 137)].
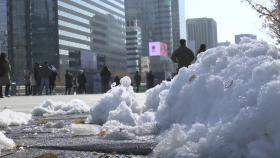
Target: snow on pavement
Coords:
[(224, 105)]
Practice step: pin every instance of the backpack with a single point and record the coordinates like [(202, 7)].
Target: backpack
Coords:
[(3, 70)]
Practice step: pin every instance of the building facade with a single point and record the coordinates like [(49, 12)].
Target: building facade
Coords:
[(32, 35), (239, 37), (202, 31), (178, 22), (133, 46), (160, 20), (3, 27), (48, 30)]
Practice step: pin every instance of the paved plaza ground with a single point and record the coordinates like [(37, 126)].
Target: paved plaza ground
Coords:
[(26, 103)]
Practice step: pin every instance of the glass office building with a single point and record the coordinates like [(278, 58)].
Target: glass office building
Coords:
[(47, 30), (93, 25), (3, 26)]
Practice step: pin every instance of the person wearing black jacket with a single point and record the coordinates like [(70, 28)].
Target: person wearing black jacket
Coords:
[(183, 55), (105, 78), (5, 70), (82, 80), (68, 82), (137, 80)]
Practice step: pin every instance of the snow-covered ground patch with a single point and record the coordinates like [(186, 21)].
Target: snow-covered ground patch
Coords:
[(11, 118), (6, 143), (50, 107), (224, 105)]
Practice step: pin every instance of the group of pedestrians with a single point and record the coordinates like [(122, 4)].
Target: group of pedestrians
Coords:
[(39, 78), (78, 83)]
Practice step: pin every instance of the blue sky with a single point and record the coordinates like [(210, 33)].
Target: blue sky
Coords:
[(232, 17)]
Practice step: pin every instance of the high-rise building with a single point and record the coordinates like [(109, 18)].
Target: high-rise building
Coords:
[(202, 31), (133, 46), (240, 36), (48, 30), (160, 20), (178, 22), (3, 26)]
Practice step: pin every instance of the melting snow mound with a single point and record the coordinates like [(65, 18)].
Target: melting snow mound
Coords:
[(226, 105), (6, 143), (117, 103), (50, 107), (11, 118)]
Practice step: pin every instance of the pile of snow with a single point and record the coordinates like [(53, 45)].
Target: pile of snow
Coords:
[(224, 105), (119, 103), (6, 143), (50, 107), (11, 118)]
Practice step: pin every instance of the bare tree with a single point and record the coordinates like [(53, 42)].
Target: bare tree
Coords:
[(270, 11)]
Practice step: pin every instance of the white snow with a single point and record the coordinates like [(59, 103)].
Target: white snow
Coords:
[(226, 104), (122, 94), (50, 107), (11, 118), (231, 108), (6, 143)]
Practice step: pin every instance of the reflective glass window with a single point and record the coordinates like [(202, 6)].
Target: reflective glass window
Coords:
[(73, 35), (73, 26), (74, 44), (74, 8), (74, 17)]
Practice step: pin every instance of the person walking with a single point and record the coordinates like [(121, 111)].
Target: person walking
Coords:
[(27, 82), (52, 79), (117, 80), (105, 78), (82, 82), (5, 71), (44, 72), (183, 55), (37, 78), (68, 82), (201, 49), (137, 80), (150, 80)]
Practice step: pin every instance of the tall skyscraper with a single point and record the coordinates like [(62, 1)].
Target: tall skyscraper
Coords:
[(160, 20), (48, 30), (240, 36), (178, 22), (3, 26), (133, 46), (202, 31)]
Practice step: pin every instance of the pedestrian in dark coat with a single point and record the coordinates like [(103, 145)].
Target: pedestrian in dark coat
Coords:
[(82, 80), (5, 71), (37, 78), (105, 78), (150, 80), (183, 55), (45, 72), (117, 80), (202, 48), (137, 80), (68, 82)]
